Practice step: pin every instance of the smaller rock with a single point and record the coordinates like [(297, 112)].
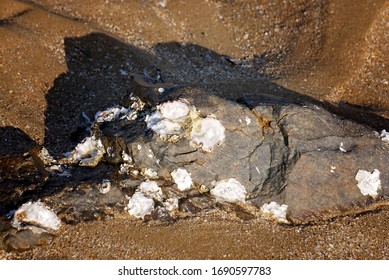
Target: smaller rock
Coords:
[(26, 239)]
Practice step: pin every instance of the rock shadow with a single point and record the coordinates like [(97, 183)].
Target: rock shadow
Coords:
[(99, 76)]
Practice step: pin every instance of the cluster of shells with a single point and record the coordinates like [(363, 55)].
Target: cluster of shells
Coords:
[(172, 121), (176, 119)]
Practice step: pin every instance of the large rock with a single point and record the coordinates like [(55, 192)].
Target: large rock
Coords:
[(295, 154), (292, 153)]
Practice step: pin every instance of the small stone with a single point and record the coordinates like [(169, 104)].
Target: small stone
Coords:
[(26, 239)]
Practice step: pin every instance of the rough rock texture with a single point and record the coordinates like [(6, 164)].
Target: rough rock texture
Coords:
[(294, 153), (26, 239), (297, 154), (21, 170)]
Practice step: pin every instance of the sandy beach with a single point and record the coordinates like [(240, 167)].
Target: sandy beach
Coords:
[(334, 52)]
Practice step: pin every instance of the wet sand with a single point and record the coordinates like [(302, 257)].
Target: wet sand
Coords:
[(331, 51), (220, 236)]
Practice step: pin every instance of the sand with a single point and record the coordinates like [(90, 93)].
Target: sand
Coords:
[(220, 236)]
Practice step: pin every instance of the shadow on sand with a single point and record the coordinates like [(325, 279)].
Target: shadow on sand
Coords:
[(100, 67)]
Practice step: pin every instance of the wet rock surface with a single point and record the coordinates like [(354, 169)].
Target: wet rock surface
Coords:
[(297, 154), (292, 153), (21, 169), (25, 239)]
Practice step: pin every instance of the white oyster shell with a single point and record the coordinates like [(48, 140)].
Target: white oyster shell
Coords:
[(207, 133), (229, 190)]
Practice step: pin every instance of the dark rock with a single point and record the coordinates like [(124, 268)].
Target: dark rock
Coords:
[(22, 172), (323, 184), (202, 202), (239, 211), (187, 207), (296, 154), (160, 214), (22, 168), (26, 239), (279, 150), (86, 203)]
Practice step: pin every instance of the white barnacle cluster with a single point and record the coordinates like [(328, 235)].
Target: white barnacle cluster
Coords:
[(52, 165), (142, 202), (182, 178), (171, 204), (176, 119), (37, 215), (275, 211), (176, 111), (384, 136), (87, 153), (207, 133), (229, 190), (125, 168), (45, 156), (119, 112), (127, 165), (150, 189), (91, 150), (149, 173), (140, 205), (369, 183), (169, 119), (113, 113), (104, 187), (137, 103)]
